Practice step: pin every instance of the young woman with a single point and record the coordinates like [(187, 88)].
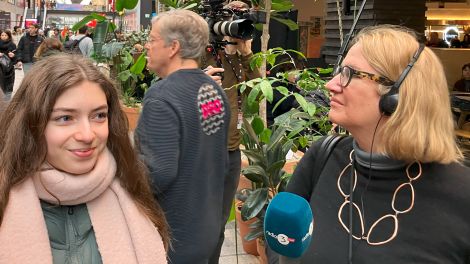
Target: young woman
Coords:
[(7, 49), (72, 189), (399, 176)]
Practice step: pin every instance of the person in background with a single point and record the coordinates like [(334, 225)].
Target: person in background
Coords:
[(436, 42), (50, 46), (410, 192), (55, 33), (463, 85), (16, 34), (466, 41), (235, 59), (86, 43), (182, 135), (73, 189), (7, 48), (27, 46), (65, 33)]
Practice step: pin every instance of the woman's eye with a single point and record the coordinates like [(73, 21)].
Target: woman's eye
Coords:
[(64, 118), (101, 116)]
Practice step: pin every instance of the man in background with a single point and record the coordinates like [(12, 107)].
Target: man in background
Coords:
[(235, 59), (85, 42), (182, 135), (27, 46)]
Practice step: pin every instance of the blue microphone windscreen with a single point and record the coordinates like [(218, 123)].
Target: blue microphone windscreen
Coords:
[(288, 224)]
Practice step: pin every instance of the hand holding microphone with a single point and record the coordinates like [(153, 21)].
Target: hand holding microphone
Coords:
[(288, 226)]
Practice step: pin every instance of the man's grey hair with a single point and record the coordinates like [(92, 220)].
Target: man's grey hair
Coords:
[(186, 27)]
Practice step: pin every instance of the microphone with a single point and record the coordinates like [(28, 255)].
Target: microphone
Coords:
[(288, 226)]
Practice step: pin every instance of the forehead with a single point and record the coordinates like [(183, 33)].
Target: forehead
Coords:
[(356, 59)]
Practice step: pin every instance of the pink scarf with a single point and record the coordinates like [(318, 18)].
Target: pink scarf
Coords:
[(123, 233)]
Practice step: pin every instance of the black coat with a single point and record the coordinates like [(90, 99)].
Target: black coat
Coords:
[(27, 47)]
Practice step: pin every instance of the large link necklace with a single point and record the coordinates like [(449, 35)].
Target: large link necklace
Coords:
[(393, 215)]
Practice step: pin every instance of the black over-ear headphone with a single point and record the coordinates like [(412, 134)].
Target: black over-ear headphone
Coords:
[(388, 102)]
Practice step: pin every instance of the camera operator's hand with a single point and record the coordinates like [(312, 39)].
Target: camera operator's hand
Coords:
[(211, 71)]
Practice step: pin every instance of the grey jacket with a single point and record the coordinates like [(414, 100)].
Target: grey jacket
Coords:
[(71, 234)]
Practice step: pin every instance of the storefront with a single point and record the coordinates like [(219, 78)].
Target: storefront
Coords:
[(451, 22)]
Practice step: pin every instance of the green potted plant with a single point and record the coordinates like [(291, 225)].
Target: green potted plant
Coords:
[(265, 146)]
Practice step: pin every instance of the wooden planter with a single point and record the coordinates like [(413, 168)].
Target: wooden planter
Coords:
[(132, 116)]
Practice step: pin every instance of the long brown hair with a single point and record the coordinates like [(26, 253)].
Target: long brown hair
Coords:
[(23, 145)]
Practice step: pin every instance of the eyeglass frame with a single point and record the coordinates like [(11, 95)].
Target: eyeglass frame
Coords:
[(362, 75)]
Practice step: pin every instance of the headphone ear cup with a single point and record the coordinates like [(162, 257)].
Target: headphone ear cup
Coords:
[(388, 103)]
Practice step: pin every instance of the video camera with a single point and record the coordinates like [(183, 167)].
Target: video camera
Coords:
[(228, 22)]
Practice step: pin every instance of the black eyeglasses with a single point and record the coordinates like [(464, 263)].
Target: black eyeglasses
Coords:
[(346, 73)]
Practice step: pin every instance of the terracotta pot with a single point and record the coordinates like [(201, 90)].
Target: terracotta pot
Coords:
[(132, 116), (261, 247), (244, 227)]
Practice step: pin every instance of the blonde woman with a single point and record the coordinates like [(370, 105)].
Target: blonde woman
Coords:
[(399, 176)]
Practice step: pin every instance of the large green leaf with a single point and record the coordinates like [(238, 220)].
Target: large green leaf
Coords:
[(267, 90), (302, 102), (127, 4), (255, 173), (257, 125), (86, 19), (276, 166), (254, 204), (139, 65), (254, 156), (265, 136), (253, 96)]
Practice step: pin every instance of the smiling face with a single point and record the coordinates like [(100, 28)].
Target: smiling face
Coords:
[(77, 130), (357, 105)]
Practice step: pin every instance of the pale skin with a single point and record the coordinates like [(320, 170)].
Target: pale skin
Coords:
[(77, 130), (356, 107)]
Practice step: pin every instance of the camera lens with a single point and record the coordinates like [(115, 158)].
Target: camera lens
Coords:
[(240, 28)]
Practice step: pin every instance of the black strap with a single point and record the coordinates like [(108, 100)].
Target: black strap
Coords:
[(324, 153)]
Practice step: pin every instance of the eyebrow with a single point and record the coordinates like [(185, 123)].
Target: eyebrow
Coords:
[(72, 110)]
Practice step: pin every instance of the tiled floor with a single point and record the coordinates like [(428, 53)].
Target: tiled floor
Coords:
[(230, 251)]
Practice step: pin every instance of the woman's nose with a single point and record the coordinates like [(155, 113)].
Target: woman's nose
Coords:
[(334, 85), (85, 132)]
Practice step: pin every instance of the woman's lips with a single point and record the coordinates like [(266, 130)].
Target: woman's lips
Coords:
[(334, 101), (83, 153)]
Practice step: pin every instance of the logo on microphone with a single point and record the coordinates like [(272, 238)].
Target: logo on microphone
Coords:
[(281, 238)]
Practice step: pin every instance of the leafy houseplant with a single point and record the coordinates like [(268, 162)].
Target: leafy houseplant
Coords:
[(266, 147)]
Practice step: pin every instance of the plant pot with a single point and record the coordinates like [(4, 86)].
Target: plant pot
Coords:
[(244, 227), (132, 115), (261, 248)]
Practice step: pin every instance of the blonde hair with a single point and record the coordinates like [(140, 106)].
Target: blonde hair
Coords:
[(422, 127), (186, 27)]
